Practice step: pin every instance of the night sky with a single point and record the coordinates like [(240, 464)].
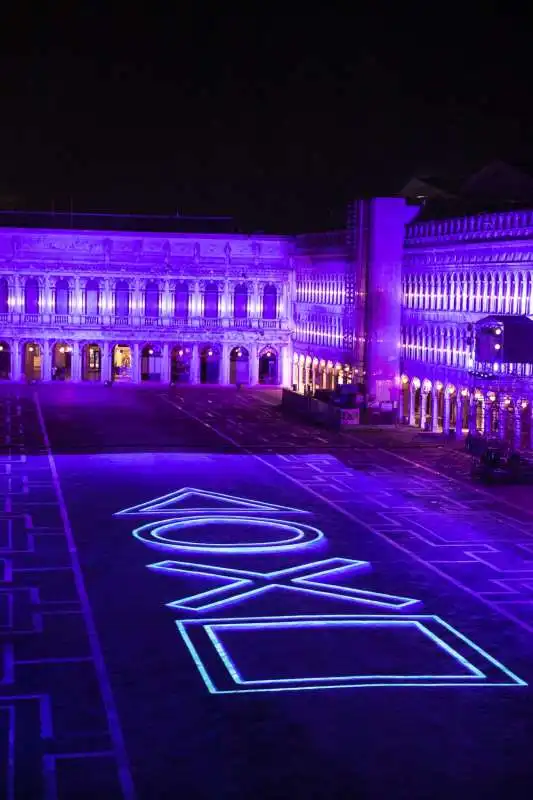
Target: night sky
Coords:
[(277, 120)]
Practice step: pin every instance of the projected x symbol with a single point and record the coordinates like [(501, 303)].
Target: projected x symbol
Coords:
[(236, 585)]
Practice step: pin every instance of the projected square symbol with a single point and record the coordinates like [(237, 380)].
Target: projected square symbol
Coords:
[(326, 652)]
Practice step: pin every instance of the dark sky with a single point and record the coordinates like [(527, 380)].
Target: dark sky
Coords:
[(276, 119)]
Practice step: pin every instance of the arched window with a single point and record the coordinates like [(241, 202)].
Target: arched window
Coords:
[(181, 300), (62, 296), (211, 300), (92, 298), (4, 296), (270, 296), (122, 299), (31, 296), (240, 301), (151, 299)]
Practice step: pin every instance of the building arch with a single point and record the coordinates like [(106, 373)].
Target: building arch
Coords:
[(92, 297), (151, 299), (91, 362), (211, 300), (268, 365), (61, 361), (270, 299), (239, 365), (4, 296), (32, 299), (122, 298), (5, 360), (122, 362), (210, 356), (151, 362), (180, 363), (32, 356), (181, 300), (62, 296), (240, 301)]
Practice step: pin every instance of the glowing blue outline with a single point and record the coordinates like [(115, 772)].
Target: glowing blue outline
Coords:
[(235, 674), (304, 531), (337, 592), (182, 626), (159, 505), (184, 602)]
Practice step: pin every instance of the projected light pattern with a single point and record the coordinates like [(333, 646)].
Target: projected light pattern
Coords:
[(221, 673), (157, 536), (244, 584), (169, 503)]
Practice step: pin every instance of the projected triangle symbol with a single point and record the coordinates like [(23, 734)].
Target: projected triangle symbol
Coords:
[(200, 501)]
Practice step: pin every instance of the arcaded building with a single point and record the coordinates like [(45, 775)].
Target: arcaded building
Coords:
[(428, 311), (467, 324), (103, 304), (99, 301)]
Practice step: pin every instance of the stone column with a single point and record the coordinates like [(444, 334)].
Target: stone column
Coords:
[(487, 417), (502, 418), (286, 367), (459, 416), (517, 425), (75, 372), (18, 295), (254, 365), (530, 425), (446, 413), (423, 407), (141, 299), (412, 396), (136, 366), (435, 411), (197, 305), (48, 296), (164, 302), (165, 363), (16, 361), (108, 298), (472, 415), (224, 366), (256, 300), (106, 361), (77, 304), (195, 364), (228, 310), (46, 365)]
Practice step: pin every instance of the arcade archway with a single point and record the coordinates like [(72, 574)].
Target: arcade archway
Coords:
[(61, 362), (5, 361), (122, 363), (268, 367), (32, 361), (180, 364), (92, 363), (151, 363), (209, 364), (239, 365)]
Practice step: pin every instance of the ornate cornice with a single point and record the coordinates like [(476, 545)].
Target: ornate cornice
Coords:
[(479, 258), (196, 249), (479, 227)]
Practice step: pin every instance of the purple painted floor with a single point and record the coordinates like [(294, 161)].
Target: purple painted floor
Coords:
[(293, 660)]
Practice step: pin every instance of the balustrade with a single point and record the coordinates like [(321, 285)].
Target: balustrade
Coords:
[(85, 320)]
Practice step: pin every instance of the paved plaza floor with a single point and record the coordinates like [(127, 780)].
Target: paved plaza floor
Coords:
[(201, 599)]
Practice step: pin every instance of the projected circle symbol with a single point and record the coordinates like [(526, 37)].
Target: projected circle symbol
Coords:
[(170, 535)]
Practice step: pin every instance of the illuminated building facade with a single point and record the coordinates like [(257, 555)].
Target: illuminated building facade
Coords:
[(434, 313), (466, 336), (347, 303), (101, 305)]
